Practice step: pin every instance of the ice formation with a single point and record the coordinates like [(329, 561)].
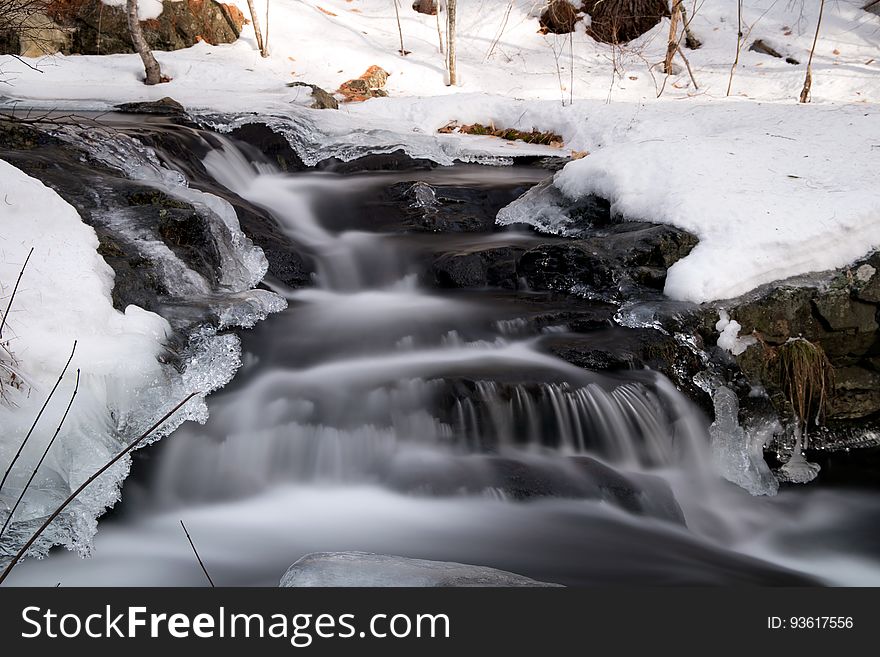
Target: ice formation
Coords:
[(124, 387), (728, 338), (738, 456)]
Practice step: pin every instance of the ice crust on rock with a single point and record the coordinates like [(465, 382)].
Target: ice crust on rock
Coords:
[(728, 335), (124, 387), (321, 569)]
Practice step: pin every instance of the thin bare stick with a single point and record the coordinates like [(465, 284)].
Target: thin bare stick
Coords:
[(137, 441), (403, 51), (688, 65), (808, 80), (14, 290), (739, 36), (196, 552), (42, 458), (37, 419), (439, 33)]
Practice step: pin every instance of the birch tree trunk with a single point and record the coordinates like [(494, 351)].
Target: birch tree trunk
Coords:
[(151, 66), (260, 44), (450, 40)]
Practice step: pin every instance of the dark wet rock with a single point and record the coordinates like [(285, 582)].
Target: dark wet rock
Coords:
[(368, 569), (619, 348), (189, 235), (465, 270), (164, 107), (449, 209), (493, 267), (560, 17), (635, 251), (98, 29), (274, 146), (856, 393), (322, 99), (394, 161)]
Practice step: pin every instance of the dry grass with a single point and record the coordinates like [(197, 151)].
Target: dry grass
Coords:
[(510, 134), (806, 377)]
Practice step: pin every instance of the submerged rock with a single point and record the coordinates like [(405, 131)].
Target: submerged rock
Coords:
[(367, 569)]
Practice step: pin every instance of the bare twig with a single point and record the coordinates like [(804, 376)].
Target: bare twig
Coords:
[(688, 65), (42, 458), (14, 290), (137, 441), (37, 419), (196, 552)]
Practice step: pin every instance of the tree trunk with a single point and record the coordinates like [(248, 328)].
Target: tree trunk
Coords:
[(808, 79), (450, 40), (260, 44), (151, 66), (672, 45)]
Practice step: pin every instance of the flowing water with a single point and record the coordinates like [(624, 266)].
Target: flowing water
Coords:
[(375, 414)]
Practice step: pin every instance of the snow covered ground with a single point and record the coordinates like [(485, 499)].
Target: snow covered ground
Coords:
[(772, 188)]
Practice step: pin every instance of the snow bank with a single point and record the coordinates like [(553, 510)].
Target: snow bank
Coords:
[(147, 9), (771, 191), (65, 296)]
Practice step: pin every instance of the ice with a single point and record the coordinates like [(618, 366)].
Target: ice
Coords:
[(728, 338), (368, 569), (738, 456), (547, 209), (125, 385)]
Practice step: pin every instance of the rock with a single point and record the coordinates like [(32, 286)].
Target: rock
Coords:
[(371, 84), (34, 33), (462, 271), (272, 145), (856, 393), (98, 29), (164, 106), (428, 7), (620, 21), (630, 251), (367, 569), (495, 267), (868, 280), (449, 209), (560, 17), (322, 99), (841, 312)]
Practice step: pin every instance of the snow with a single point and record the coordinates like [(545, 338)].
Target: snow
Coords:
[(771, 188), (147, 9), (65, 296)]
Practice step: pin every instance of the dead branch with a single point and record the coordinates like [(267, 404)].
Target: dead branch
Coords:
[(14, 290), (196, 552)]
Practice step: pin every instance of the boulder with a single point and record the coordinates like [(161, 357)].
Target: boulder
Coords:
[(98, 29), (428, 7), (360, 569), (30, 33), (620, 21), (164, 107), (560, 17), (370, 84), (321, 99)]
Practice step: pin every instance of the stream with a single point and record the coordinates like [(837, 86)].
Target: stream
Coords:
[(382, 414)]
